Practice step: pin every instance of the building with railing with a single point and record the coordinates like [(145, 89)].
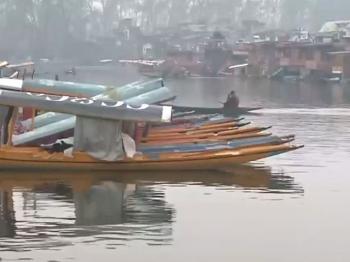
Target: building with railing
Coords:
[(322, 56)]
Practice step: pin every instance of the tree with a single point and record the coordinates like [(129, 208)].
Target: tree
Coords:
[(294, 13), (324, 11)]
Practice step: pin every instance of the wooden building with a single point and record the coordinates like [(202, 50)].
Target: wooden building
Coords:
[(341, 64), (298, 59), (306, 59), (263, 59)]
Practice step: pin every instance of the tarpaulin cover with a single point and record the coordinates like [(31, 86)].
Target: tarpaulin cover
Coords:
[(100, 138)]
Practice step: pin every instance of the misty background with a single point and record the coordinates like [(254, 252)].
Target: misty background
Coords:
[(84, 28)]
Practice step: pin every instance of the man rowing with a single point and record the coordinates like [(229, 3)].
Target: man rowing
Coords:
[(232, 101)]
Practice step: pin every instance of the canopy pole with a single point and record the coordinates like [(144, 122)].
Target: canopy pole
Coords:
[(32, 126), (11, 127)]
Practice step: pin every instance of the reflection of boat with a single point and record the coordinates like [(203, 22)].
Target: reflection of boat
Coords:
[(109, 198), (93, 200), (7, 216), (244, 176)]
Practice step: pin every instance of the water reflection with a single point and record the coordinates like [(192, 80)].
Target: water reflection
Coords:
[(45, 211), (260, 92), (7, 218)]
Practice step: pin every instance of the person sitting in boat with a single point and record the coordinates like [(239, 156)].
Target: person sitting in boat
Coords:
[(232, 101)]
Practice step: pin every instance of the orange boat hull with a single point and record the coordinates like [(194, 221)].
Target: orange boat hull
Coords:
[(36, 158)]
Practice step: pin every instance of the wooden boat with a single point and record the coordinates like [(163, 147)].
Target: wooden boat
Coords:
[(217, 133), (233, 144), (206, 139), (204, 130), (212, 110), (38, 158), (92, 111), (190, 127)]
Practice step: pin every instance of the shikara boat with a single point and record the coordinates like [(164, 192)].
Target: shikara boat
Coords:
[(195, 128), (208, 139), (194, 121), (214, 110), (206, 134), (232, 144), (38, 158), (99, 145)]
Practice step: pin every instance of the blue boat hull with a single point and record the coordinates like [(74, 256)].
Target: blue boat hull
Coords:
[(233, 144)]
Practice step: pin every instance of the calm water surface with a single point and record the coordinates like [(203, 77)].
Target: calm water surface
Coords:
[(288, 208)]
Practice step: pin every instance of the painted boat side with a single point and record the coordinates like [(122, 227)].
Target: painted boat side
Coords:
[(33, 158), (211, 134), (194, 128), (205, 140), (212, 146)]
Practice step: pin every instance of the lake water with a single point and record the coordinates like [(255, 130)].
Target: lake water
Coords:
[(289, 208)]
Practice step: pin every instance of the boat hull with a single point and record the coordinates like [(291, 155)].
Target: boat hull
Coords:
[(209, 110), (29, 159), (233, 144)]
